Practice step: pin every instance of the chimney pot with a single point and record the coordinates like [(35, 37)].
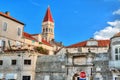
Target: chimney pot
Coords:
[(7, 13)]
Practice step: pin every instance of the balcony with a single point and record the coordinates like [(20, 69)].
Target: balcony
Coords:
[(114, 64)]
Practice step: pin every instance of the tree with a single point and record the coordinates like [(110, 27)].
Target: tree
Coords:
[(41, 50)]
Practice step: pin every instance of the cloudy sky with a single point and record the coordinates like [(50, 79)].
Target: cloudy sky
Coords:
[(108, 31), (75, 20)]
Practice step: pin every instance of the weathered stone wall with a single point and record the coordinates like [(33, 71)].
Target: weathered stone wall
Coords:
[(51, 67), (101, 67)]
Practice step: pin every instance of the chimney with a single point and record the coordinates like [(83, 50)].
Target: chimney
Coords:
[(7, 13)]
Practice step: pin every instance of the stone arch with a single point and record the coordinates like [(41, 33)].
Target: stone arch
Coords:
[(75, 76)]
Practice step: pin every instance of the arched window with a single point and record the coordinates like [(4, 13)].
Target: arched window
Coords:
[(43, 30), (51, 30), (4, 26)]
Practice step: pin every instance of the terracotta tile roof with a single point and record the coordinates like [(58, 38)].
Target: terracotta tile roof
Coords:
[(9, 17), (48, 16), (29, 36), (101, 43), (46, 43)]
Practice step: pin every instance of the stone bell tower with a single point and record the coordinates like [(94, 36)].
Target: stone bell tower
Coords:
[(48, 26)]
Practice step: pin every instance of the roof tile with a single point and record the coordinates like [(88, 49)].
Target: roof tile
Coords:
[(29, 36), (9, 17), (101, 43), (48, 16), (46, 43)]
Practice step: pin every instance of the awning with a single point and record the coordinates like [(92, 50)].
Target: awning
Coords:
[(1, 76), (11, 76)]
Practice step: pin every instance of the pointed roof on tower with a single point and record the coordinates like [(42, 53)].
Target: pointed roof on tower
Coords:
[(48, 16)]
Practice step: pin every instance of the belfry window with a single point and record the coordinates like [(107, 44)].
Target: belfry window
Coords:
[(46, 29), (117, 53), (49, 30), (43, 30)]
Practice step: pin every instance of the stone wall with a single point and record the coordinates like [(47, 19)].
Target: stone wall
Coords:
[(51, 67)]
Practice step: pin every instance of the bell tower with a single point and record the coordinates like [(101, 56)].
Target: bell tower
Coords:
[(48, 26)]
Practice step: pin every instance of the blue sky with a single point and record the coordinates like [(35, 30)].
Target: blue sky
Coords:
[(75, 20)]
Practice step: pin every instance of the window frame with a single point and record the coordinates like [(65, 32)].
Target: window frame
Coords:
[(27, 62), (28, 76), (1, 62), (18, 31), (14, 62), (5, 25), (117, 53)]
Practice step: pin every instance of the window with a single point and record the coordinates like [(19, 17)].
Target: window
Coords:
[(4, 26), (117, 53), (26, 78), (43, 30), (46, 29), (92, 43), (27, 62), (19, 32), (13, 62), (49, 30), (3, 43), (1, 62)]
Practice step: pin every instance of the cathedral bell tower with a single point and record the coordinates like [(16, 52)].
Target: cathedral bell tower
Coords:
[(48, 26)]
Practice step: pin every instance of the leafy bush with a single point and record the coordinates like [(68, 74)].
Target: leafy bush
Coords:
[(41, 50)]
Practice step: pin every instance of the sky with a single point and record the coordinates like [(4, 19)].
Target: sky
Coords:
[(75, 20)]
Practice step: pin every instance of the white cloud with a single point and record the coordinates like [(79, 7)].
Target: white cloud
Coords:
[(109, 31), (117, 12)]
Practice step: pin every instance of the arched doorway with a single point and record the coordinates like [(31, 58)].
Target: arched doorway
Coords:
[(76, 76)]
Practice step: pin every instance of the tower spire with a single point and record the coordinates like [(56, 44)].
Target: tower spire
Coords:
[(48, 26), (48, 15)]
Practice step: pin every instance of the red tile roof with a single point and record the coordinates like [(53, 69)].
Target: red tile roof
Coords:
[(46, 43), (29, 36), (9, 17), (48, 16), (101, 43)]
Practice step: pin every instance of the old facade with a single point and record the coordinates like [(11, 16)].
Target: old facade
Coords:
[(18, 65), (19, 60), (19, 49)]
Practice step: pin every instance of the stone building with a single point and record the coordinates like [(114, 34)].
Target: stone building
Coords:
[(99, 59), (114, 57), (18, 65), (101, 69), (13, 37), (19, 60), (19, 49), (95, 46)]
